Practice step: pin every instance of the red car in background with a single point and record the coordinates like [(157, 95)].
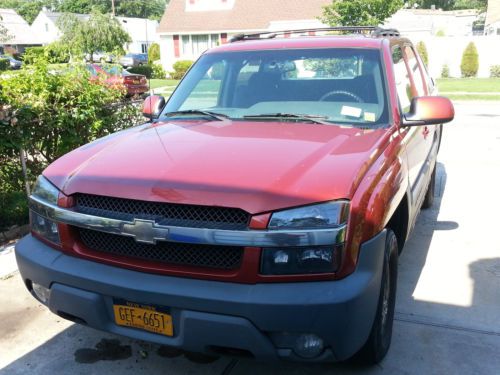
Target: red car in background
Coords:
[(113, 75)]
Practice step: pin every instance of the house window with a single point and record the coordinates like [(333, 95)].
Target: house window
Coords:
[(47, 27), (144, 47), (194, 45)]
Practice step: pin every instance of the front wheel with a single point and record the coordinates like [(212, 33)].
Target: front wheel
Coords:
[(379, 341)]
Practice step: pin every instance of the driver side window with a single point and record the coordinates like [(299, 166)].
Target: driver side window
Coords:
[(402, 77)]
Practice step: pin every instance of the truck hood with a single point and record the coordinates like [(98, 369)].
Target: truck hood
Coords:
[(257, 166)]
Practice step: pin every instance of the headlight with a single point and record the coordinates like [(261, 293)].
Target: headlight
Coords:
[(322, 215), (42, 226), (306, 259), (43, 189), (300, 260)]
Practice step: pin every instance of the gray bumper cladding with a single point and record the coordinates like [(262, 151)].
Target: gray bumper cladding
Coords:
[(208, 314)]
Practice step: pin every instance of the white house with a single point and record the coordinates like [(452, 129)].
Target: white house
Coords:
[(492, 23), (142, 31), (21, 35), (189, 27), (420, 23)]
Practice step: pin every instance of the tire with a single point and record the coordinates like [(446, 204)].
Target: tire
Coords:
[(429, 195), (379, 341)]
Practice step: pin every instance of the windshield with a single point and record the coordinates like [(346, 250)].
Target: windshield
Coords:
[(337, 85)]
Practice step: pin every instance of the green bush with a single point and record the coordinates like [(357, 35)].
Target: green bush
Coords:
[(445, 71), (31, 54), (422, 51), (495, 71), (158, 72), (146, 70), (13, 209), (4, 64), (57, 53), (180, 68), (48, 115), (470, 61), (153, 53)]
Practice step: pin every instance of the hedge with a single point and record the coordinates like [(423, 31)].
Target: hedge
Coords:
[(4, 64), (48, 115), (146, 70)]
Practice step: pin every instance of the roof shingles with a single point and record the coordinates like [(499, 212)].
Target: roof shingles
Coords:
[(246, 15)]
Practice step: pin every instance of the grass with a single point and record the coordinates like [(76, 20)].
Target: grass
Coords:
[(472, 85), (473, 97), (155, 83)]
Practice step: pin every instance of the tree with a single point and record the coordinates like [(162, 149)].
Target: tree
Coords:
[(470, 61), (28, 9), (101, 32), (127, 8), (4, 34), (359, 12), (153, 9), (153, 53), (422, 51)]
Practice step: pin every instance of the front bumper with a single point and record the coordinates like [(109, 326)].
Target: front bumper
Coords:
[(213, 314)]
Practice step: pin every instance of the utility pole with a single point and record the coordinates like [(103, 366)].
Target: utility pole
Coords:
[(113, 7)]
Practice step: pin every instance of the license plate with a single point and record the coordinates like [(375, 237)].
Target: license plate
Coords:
[(149, 318), (136, 82)]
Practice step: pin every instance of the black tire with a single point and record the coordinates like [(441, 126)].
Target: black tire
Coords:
[(429, 195), (379, 341)]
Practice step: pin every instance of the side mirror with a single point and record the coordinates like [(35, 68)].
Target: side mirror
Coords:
[(153, 106), (429, 110)]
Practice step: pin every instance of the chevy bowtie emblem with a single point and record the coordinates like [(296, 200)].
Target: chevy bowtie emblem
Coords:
[(145, 231)]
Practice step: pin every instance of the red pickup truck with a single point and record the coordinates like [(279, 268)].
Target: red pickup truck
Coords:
[(259, 213)]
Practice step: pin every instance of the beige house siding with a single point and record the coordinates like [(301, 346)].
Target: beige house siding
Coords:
[(492, 23)]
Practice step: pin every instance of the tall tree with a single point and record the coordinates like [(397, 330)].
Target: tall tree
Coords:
[(359, 12), (28, 9), (127, 8), (101, 32)]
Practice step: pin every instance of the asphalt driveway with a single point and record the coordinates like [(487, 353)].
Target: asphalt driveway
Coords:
[(448, 307)]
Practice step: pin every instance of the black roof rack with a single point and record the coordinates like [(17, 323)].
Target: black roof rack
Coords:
[(365, 30)]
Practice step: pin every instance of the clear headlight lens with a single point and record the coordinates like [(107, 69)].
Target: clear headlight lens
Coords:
[(300, 260), (305, 259), (322, 215), (43, 189), (40, 225)]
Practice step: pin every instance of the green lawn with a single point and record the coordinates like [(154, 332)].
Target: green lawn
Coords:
[(475, 85), (155, 83)]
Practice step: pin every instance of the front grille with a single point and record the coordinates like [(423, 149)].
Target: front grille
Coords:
[(185, 254), (183, 215)]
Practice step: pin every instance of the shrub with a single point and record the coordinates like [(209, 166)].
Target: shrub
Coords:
[(153, 53), (495, 71), (31, 54), (158, 71), (57, 53), (48, 115), (470, 61), (4, 64), (146, 70), (440, 33), (13, 209), (445, 71), (180, 68), (422, 51)]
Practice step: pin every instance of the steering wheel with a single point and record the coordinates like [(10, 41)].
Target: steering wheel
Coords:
[(341, 92)]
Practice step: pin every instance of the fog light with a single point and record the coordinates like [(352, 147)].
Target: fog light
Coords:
[(41, 292), (308, 346)]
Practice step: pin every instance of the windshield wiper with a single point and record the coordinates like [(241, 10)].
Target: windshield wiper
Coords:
[(316, 119), (213, 115)]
